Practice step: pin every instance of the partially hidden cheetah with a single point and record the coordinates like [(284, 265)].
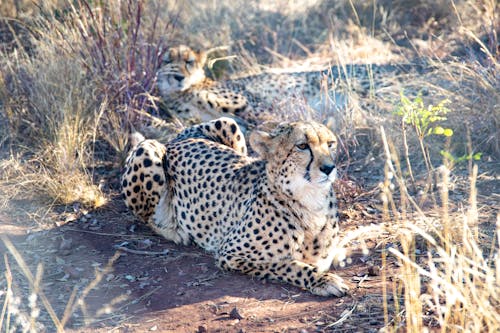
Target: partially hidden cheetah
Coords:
[(272, 217), (188, 93)]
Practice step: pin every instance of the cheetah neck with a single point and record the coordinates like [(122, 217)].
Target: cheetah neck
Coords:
[(302, 194), (311, 208)]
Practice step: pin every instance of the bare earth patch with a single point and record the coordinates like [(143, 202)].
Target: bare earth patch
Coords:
[(112, 274), (158, 286)]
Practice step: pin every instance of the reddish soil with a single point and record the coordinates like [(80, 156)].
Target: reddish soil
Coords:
[(168, 288), (179, 291)]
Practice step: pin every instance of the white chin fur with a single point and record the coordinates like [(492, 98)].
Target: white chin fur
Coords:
[(195, 78), (312, 195)]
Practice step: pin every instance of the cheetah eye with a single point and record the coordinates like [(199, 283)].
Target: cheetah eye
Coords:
[(331, 144), (302, 146), (166, 60), (190, 62)]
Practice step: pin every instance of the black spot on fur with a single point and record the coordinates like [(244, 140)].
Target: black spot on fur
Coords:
[(233, 128), (218, 125)]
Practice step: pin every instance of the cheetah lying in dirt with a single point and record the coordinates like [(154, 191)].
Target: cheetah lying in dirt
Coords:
[(272, 217), (187, 93)]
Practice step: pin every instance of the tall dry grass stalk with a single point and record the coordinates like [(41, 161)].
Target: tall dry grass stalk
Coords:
[(456, 286), (15, 316)]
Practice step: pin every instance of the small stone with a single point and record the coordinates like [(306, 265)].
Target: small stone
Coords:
[(202, 329), (65, 252), (130, 278), (235, 314), (373, 270), (72, 272), (65, 244), (60, 261)]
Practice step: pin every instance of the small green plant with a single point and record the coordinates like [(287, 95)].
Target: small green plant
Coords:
[(422, 118), (458, 159)]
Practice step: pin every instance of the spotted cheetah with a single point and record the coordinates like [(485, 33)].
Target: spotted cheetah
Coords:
[(272, 217), (188, 93)]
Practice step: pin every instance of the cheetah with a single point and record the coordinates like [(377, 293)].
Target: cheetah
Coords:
[(189, 94), (272, 217)]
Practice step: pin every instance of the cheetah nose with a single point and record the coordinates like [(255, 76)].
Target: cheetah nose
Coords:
[(178, 77), (327, 168)]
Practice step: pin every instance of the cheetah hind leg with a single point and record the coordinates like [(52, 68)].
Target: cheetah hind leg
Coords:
[(145, 187), (143, 179), (294, 272), (223, 130)]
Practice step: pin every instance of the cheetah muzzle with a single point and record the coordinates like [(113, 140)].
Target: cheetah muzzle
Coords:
[(271, 217)]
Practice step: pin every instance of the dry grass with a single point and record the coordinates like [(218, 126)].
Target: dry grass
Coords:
[(89, 74), (449, 268)]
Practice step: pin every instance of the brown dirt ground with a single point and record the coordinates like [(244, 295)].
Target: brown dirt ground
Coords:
[(169, 288)]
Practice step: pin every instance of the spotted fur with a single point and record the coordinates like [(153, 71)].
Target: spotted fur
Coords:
[(270, 217), (187, 93)]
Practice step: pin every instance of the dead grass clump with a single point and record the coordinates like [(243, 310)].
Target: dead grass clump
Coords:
[(475, 94), (456, 286), (91, 73), (55, 120), (30, 179), (449, 270)]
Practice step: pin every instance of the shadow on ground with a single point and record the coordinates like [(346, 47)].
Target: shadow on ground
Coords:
[(163, 286)]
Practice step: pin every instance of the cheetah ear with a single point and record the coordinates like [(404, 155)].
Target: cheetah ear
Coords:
[(135, 138), (168, 55), (202, 56), (261, 143)]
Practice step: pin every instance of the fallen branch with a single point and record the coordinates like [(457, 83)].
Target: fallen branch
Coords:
[(148, 253)]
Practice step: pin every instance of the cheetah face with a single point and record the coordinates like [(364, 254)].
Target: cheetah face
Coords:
[(181, 68), (300, 160)]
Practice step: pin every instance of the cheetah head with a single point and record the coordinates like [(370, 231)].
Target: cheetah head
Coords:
[(181, 68), (300, 160)]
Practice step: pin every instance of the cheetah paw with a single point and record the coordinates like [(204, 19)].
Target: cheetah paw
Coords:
[(330, 285)]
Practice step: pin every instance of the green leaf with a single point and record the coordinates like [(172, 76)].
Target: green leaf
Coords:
[(447, 155), (448, 132), (477, 156), (438, 130)]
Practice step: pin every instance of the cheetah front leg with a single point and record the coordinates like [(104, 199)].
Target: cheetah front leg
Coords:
[(294, 272)]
